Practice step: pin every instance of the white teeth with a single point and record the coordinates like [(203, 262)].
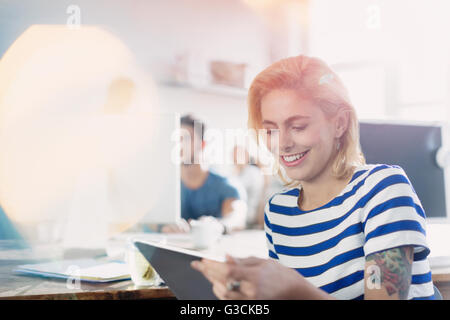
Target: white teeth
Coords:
[(293, 157)]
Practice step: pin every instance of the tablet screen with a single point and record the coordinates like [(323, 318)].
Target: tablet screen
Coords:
[(173, 266)]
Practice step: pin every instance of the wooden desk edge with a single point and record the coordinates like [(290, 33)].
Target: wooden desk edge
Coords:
[(138, 294), (441, 277)]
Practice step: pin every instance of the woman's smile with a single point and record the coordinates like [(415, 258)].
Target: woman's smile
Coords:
[(292, 160)]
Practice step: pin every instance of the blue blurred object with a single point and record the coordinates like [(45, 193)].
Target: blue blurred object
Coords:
[(207, 200), (437, 294), (7, 229)]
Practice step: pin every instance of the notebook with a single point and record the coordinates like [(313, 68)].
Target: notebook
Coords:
[(87, 270)]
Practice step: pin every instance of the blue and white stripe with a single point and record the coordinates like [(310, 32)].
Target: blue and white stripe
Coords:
[(376, 211)]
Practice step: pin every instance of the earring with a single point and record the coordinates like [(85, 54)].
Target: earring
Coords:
[(338, 145)]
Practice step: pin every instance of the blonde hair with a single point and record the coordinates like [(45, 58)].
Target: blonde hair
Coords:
[(313, 79)]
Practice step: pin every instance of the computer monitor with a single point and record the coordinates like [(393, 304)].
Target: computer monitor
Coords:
[(417, 148), (164, 150)]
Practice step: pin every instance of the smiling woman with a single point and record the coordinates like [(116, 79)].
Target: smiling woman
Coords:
[(307, 82), (343, 229)]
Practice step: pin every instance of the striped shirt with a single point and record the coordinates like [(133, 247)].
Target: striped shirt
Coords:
[(377, 210)]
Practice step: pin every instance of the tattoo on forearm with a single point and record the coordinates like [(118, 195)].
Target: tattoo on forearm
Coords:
[(395, 269)]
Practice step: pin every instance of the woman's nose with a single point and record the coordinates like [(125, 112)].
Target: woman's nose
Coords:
[(286, 143)]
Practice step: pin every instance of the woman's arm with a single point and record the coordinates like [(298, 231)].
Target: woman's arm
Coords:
[(259, 279), (387, 274)]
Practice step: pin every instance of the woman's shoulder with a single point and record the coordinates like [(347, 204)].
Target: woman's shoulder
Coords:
[(367, 175), (286, 197), (376, 172), (386, 180)]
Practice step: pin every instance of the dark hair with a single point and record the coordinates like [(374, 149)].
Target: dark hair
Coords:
[(194, 123)]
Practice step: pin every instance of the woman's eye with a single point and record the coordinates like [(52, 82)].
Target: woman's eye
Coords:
[(298, 128)]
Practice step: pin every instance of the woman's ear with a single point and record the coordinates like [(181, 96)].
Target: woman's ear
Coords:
[(341, 122)]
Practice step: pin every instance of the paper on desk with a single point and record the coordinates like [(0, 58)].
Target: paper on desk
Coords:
[(85, 269)]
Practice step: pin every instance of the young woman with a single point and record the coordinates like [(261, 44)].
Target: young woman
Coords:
[(344, 229)]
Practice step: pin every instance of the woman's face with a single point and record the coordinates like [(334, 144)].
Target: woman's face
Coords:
[(307, 139)]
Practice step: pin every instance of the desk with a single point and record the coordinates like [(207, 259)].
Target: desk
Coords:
[(441, 275), (14, 286), (442, 282), (439, 258)]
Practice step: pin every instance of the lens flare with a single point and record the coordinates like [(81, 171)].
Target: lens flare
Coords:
[(74, 120)]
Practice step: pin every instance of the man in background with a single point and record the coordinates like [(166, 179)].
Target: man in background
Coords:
[(205, 193)]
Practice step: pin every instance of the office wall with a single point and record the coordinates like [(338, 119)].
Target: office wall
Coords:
[(393, 55), (221, 111), (157, 31), (154, 30)]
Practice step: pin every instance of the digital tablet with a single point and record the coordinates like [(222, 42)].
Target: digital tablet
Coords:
[(173, 264)]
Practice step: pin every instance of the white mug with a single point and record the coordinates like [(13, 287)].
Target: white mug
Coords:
[(205, 232)]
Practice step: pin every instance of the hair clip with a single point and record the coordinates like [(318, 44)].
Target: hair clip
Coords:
[(326, 78)]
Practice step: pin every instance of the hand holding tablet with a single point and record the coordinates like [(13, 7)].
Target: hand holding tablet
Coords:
[(173, 265)]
